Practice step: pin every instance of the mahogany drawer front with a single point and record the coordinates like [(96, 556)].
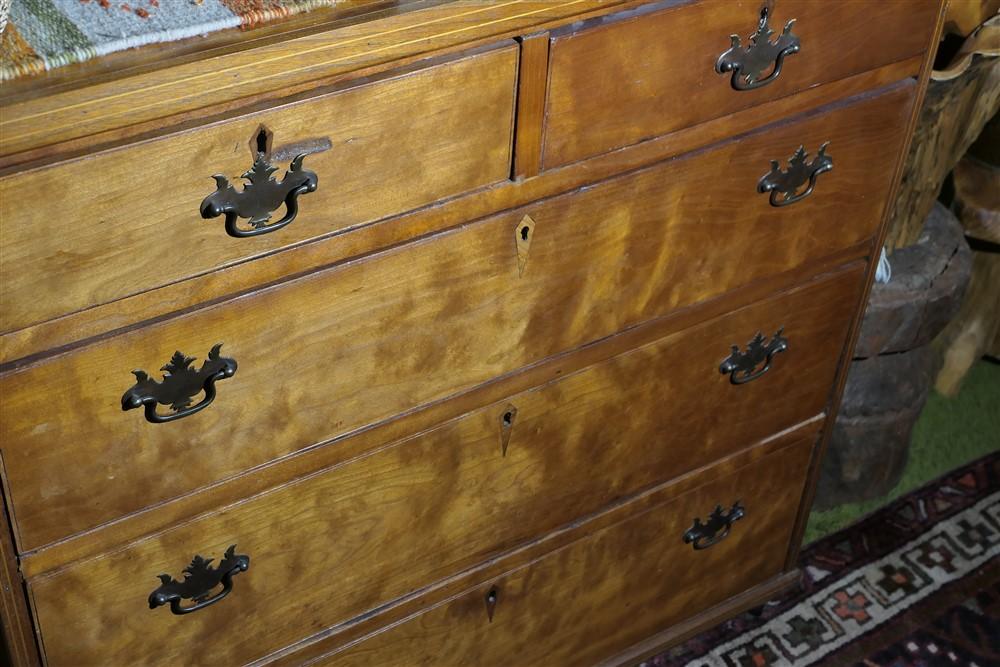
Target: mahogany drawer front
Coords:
[(96, 229), (343, 348), (597, 597), (649, 73), (354, 537)]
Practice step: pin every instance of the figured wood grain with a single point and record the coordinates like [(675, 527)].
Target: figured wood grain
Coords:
[(427, 507), (21, 346), (140, 228), (568, 606), (368, 346), (134, 102), (136, 526), (652, 73), (318, 645), (676, 633)]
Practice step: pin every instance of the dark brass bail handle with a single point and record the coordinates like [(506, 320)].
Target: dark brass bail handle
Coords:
[(180, 384), (261, 195), (747, 64), (746, 366), (715, 529), (785, 185), (200, 579)]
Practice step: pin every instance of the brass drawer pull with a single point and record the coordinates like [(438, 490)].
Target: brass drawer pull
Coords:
[(741, 367), (783, 184), (747, 64), (199, 581), (261, 195), (703, 535), (180, 384)]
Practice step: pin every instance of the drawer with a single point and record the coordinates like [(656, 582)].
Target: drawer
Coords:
[(596, 597), (344, 542), (442, 501), (648, 73), (332, 352), (93, 230)]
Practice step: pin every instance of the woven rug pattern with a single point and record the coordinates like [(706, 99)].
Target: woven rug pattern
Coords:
[(44, 34), (916, 584)]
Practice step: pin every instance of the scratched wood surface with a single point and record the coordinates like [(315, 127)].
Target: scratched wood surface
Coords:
[(368, 346), (663, 65), (84, 244), (338, 545), (594, 598)]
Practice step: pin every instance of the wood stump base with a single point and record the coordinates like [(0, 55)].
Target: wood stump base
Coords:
[(894, 366)]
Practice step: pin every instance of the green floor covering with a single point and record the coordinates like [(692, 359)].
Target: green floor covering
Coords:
[(949, 433)]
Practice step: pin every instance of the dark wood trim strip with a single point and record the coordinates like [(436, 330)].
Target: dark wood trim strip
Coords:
[(532, 83)]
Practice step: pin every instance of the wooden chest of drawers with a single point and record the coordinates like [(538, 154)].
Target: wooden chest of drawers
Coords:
[(526, 321)]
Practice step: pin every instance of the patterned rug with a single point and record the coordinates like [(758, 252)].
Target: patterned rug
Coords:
[(44, 34), (916, 584)]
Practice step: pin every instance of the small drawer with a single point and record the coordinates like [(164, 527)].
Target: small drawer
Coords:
[(341, 543), (359, 343), (597, 597), (636, 75), (96, 229)]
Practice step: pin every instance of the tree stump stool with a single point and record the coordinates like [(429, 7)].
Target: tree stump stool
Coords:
[(894, 365)]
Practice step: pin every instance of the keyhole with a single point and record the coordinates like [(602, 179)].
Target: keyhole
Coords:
[(491, 602), (507, 427), (524, 232), (260, 142)]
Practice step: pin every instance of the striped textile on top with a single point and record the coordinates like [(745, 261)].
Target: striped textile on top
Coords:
[(45, 34)]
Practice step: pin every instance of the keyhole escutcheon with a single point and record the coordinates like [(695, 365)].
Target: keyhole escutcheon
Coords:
[(492, 597), (524, 232), (507, 418)]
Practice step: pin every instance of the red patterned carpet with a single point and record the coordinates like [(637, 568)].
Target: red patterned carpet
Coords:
[(916, 584)]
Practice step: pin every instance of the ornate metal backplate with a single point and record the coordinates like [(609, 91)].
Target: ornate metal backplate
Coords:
[(179, 386), (703, 535), (761, 54), (742, 367), (784, 185), (262, 195), (200, 579)]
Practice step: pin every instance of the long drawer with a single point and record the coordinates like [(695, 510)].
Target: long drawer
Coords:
[(348, 540), (95, 229), (648, 72), (595, 598), (321, 356)]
